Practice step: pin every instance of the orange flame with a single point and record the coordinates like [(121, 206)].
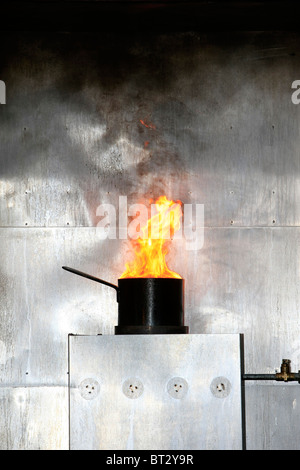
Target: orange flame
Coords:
[(151, 249)]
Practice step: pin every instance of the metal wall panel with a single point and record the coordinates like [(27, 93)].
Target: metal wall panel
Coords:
[(34, 417), (272, 416), (219, 128), (40, 305)]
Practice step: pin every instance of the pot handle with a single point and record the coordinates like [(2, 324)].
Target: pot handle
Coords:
[(93, 278)]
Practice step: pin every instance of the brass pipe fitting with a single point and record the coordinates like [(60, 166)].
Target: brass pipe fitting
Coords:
[(285, 373)]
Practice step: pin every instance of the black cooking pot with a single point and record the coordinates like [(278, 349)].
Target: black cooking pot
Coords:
[(147, 305)]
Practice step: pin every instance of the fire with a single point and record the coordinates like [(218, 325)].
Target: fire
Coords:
[(151, 248)]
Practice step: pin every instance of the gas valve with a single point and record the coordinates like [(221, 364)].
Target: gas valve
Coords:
[(285, 373)]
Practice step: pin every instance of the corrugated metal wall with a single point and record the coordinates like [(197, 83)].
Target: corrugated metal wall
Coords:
[(221, 130)]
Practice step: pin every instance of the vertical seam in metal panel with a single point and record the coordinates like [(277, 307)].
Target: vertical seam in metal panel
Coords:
[(69, 398), (243, 400)]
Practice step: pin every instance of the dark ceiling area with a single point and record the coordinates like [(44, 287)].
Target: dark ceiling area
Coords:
[(146, 16)]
